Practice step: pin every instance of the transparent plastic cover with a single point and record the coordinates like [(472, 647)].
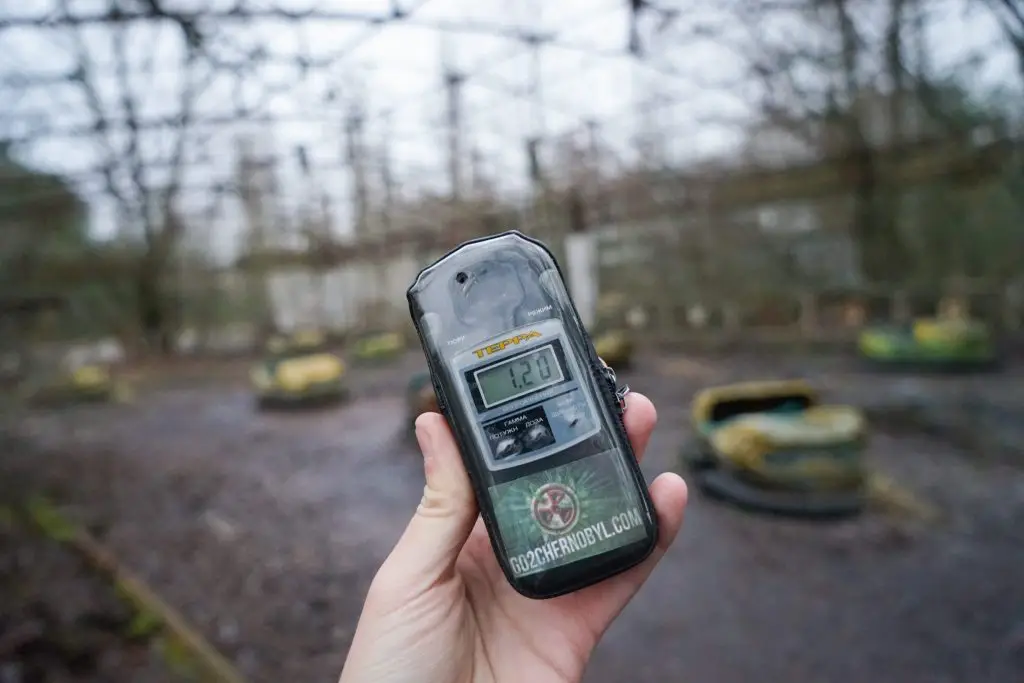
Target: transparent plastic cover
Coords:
[(534, 418)]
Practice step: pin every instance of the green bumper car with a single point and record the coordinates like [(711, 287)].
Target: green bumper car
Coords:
[(930, 344), (378, 347), (772, 447)]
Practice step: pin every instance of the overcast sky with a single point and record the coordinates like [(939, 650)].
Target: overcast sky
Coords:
[(396, 73)]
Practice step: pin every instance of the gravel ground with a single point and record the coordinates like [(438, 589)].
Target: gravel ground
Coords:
[(265, 530)]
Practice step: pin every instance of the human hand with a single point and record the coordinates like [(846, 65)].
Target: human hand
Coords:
[(440, 610)]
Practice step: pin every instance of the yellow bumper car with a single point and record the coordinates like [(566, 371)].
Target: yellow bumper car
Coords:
[(930, 344), (297, 372), (611, 332), (615, 347), (772, 447), (85, 383), (47, 368)]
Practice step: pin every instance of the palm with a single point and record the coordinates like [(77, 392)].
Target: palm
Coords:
[(441, 610), (537, 640)]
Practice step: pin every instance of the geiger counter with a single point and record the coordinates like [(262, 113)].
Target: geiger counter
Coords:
[(536, 415)]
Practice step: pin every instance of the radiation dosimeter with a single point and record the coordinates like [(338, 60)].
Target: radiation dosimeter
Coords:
[(536, 415)]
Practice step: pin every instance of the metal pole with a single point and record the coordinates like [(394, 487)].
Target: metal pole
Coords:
[(453, 84)]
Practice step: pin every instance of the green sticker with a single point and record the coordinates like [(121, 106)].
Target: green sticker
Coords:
[(568, 513)]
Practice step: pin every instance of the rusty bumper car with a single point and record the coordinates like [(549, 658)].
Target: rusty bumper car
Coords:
[(772, 447)]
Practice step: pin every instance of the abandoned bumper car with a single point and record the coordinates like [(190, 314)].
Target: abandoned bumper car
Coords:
[(930, 344), (378, 347), (45, 365), (69, 381), (611, 332), (772, 447), (298, 371), (614, 346)]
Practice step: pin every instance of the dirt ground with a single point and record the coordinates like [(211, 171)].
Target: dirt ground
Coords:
[(265, 530), (59, 622)]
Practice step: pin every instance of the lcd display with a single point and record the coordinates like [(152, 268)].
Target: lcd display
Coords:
[(518, 376)]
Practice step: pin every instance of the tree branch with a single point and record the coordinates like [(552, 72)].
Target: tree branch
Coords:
[(133, 154), (84, 77), (238, 15)]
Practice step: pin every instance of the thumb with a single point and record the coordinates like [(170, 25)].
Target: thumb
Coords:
[(427, 550)]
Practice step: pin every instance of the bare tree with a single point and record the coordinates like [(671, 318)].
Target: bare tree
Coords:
[(147, 204), (849, 92), (1010, 14)]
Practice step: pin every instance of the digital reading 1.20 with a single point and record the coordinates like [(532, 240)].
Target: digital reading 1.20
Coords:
[(518, 376)]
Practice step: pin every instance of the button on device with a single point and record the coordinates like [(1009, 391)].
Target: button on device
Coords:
[(537, 435), (507, 448)]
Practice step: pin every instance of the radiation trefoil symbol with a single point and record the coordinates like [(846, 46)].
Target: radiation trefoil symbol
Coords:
[(556, 508)]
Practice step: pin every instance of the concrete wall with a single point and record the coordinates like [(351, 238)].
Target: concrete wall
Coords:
[(338, 298)]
